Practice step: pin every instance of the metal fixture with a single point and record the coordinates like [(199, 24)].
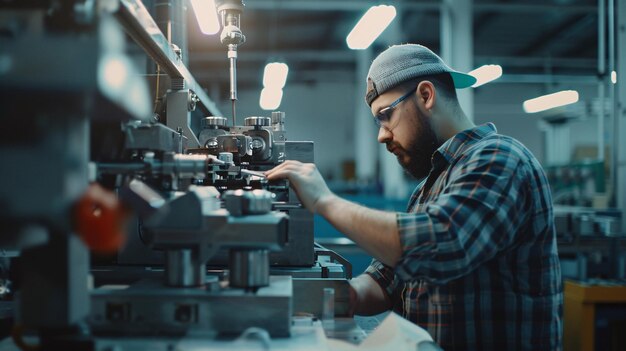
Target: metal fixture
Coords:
[(230, 12)]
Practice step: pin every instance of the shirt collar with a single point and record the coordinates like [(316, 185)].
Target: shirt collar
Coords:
[(456, 145)]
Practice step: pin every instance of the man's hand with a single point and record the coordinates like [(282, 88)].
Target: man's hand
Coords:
[(306, 181), (373, 230)]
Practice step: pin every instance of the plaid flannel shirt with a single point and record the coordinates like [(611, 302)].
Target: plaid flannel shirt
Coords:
[(479, 268)]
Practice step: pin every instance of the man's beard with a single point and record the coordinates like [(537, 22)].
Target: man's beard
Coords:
[(421, 150)]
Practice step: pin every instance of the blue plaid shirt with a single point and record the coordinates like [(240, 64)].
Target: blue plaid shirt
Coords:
[(479, 268)]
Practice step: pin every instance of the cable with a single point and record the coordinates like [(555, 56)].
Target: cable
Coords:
[(156, 94)]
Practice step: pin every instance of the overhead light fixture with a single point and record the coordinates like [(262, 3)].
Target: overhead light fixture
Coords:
[(614, 77), (485, 74), (275, 75), (206, 15), (270, 98), (274, 80), (370, 26), (549, 101)]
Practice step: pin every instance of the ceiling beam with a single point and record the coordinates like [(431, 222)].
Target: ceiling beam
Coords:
[(547, 79), (565, 29), (483, 19), (349, 56), (358, 5), (584, 45), (304, 55)]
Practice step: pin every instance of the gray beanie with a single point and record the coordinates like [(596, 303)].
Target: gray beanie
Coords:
[(401, 63)]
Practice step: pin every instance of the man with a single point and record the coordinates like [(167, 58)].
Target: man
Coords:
[(474, 259)]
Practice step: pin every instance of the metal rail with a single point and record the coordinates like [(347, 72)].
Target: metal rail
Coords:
[(140, 26)]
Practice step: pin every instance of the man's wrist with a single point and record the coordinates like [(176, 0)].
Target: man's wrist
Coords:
[(324, 203)]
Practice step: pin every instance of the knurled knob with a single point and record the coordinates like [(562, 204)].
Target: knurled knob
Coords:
[(213, 121), (257, 121)]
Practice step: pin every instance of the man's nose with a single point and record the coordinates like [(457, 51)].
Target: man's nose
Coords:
[(383, 135)]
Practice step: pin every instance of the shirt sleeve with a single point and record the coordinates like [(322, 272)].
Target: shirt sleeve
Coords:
[(476, 215), (383, 275)]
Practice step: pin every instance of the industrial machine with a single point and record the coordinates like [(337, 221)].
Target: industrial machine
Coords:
[(88, 159), (200, 250)]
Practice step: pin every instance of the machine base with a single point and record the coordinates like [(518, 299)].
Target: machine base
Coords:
[(150, 308)]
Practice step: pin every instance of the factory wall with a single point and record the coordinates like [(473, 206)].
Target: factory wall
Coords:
[(501, 103)]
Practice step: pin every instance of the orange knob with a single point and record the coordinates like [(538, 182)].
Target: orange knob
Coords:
[(100, 220)]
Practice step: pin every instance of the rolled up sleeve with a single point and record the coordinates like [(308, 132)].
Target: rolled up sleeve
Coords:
[(383, 275), (475, 216)]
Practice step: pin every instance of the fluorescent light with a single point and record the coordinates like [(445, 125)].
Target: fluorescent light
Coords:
[(275, 75), (114, 72), (206, 14), (485, 74), (370, 26), (270, 98), (549, 101), (614, 77)]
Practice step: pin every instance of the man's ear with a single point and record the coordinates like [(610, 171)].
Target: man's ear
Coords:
[(427, 95)]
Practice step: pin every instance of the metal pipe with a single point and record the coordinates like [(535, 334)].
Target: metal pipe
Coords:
[(614, 121), (601, 74), (232, 57)]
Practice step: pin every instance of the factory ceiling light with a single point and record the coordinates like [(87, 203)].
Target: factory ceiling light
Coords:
[(275, 75), (485, 74), (270, 98), (614, 77), (549, 101), (274, 80), (206, 14), (370, 26)]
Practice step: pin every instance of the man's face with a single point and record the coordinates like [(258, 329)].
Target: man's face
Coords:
[(406, 132)]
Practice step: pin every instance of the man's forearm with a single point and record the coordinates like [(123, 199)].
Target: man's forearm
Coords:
[(373, 230), (370, 298)]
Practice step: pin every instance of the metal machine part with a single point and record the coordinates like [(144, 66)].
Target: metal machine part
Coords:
[(240, 202), (190, 228), (149, 308), (180, 102), (154, 137), (259, 141), (180, 165), (238, 144), (278, 126), (278, 121), (226, 157), (299, 252), (214, 122), (184, 268), (230, 11), (249, 269), (257, 122)]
